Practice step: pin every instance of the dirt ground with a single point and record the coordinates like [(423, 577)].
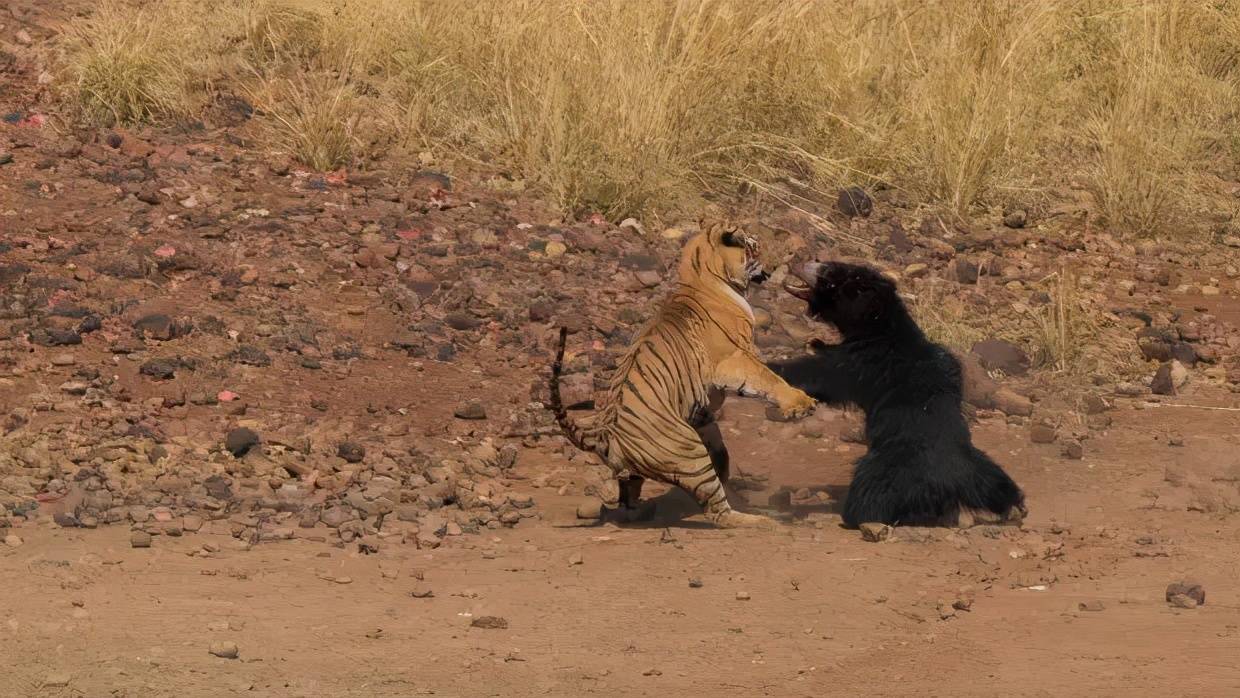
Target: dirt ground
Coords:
[(281, 433), (607, 610)]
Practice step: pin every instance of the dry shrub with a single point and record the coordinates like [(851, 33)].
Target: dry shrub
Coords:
[(626, 107), (314, 118)]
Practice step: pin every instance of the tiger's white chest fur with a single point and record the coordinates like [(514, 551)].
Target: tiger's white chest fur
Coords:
[(738, 299)]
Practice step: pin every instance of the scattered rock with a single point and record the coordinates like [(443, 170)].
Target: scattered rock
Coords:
[(1093, 606), (351, 452), (1181, 593), (695, 583), (13, 540), (1042, 434), (1073, 449), (999, 355), (742, 596), (472, 410), (490, 623), (1012, 403), (854, 203), (239, 441), (875, 532), (590, 510), (1016, 219), (140, 539), (224, 649)]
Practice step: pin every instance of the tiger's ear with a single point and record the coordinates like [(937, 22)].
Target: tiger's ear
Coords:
[(712, 228)]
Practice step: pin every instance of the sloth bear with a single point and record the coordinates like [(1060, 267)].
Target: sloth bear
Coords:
[(922, 468)]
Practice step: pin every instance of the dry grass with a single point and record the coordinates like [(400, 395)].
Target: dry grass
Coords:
[(627, 107), (945, 318)]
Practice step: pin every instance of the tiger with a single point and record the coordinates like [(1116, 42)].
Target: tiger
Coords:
[(674, 376)]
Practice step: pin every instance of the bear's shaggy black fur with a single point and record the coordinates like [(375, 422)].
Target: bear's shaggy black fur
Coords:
[(922, 467)]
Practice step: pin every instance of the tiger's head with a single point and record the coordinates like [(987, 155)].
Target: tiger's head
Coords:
[(723, 251)]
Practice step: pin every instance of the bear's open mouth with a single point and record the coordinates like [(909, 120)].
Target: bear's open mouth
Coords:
[(796, 287), (801, 278)]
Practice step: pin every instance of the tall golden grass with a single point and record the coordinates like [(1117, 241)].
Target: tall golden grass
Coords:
[(626, 106)]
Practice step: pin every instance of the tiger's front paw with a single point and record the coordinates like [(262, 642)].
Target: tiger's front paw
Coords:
[(797, 406)]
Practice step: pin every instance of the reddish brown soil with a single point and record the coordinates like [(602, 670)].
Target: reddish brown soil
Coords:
[(383, 307)]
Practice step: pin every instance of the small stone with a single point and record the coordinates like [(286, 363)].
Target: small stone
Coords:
[(966, 271), (555, 248), (490, 623), (576, 559), (159, 369), (65, 520), (854, 202), (916, 270), (1091, 606), (140, 539), (649, 279), (695, 583), (1182, 601), (1162, 383), (13, 540), (351, 452), (63, 360), (1013, 404), (1042, 434), (56, 680), (742, 596), (1016, 219), (239, 441), (224, 650), (1194, 592), (471, 410), (652, 672), (1073, 449), (999, 355), (875, 532), (422, 592), (590, 510)]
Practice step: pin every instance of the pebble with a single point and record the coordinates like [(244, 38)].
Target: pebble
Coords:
[(63, 360), (140, 539), (1182, 593), (590, 510), (490, 623), (224, 650), (351, 452), (875, 532), (695, 583), (56, 680), (576, 559), (472, 410), (1073, 449), (239, 441), (422, 592), (742, 596), (854, 202), (1091, 606), (1042, 434), (13, 540)]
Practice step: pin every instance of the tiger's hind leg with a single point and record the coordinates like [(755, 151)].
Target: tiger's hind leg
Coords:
[(699, 478)]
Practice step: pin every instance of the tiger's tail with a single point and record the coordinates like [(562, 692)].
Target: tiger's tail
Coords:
[(578, 435)]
